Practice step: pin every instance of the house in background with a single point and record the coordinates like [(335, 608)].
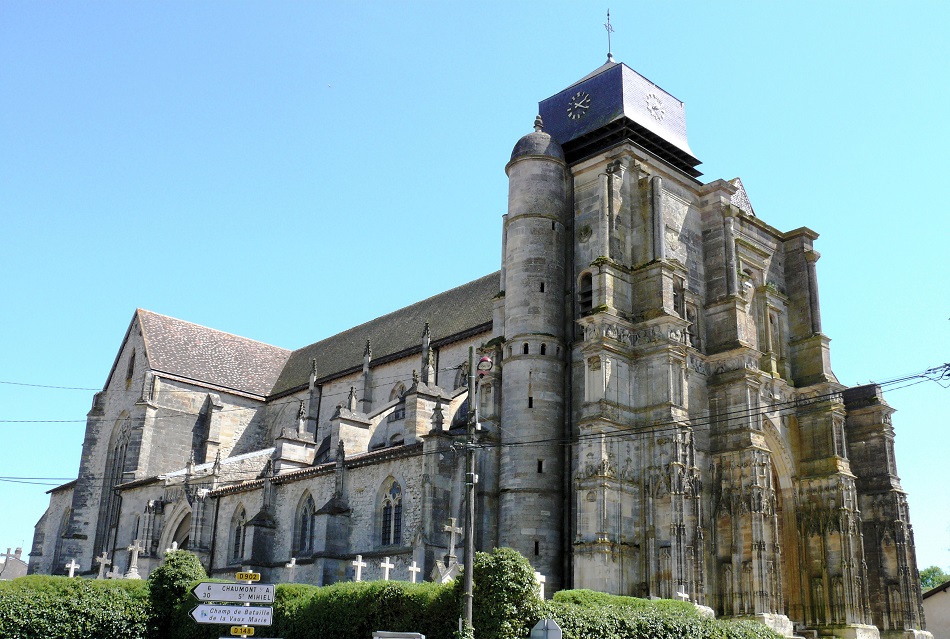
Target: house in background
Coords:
[(937, 610), (12, 566)]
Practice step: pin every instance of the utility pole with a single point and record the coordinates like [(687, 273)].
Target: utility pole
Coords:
[(484, 365), (470, 490)]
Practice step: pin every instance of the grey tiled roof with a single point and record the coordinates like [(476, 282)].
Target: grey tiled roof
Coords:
[(455, 311), (196, 352)]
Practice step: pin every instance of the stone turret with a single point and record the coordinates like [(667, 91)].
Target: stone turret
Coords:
[(532, 421)]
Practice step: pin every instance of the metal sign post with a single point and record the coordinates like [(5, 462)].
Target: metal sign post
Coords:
[(244, 617)]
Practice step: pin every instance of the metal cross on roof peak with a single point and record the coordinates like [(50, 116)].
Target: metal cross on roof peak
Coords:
[(610, 30)]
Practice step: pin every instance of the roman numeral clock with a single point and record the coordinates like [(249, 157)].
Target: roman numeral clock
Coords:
[(613, 104)]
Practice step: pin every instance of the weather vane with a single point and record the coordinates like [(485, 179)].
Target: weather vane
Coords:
[(610, 30)]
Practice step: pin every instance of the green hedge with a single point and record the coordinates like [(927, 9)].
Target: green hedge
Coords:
[(506, 607), (595, 615), (40, 607)]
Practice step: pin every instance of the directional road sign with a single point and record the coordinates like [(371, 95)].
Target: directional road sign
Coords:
[(546, 629), (243, 593), (231, 615)]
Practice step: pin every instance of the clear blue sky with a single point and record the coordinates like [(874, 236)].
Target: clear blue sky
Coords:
[(283, 171)]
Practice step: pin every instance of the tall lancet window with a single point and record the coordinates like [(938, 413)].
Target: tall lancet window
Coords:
[(585, 294), (238, 535), (392, 516), (305, 527)]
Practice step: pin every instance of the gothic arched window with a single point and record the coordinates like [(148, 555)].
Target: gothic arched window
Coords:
[(238, 535), (305, 527), (114, 475), (392, 515)]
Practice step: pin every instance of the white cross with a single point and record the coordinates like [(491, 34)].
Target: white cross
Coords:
[(113, 575), (103, 562), (72, 565), (359, 564), (540, 579), (293, 568), (173, 548), (414, 570), (135, 549), (682, 596), (386, 566), (452, 530)]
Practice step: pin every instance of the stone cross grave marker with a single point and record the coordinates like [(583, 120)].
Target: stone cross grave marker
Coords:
[(8, 555), (386, 566), (114, 574), (104, 563), (135, 549), (452, 530), (540, 579), (359, 564), (682, 596), (72, 565), (293, 568), (414, 570)]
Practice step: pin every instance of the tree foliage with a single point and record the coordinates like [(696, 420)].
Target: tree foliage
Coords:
[(931, 577)]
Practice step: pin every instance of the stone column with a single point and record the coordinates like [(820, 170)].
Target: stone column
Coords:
[(659, 241), (811, 257), (732, 272), (366, 403)]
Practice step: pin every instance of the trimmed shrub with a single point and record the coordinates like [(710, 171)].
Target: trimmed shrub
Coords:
[(357, 609), (170, 584), (41, 607), (595, 615), (506, 603)]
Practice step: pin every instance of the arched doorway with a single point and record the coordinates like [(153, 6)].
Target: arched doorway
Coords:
[(786, 533)]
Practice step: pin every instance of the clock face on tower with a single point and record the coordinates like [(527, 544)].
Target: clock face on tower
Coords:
[(578, 105)]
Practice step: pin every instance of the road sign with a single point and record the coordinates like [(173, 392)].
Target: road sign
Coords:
[(248, 576), (251, 615), (243, 593), (546, 629), (242, 631)]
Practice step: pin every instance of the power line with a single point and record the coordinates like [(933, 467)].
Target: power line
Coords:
[(698, 424), (82, 388)]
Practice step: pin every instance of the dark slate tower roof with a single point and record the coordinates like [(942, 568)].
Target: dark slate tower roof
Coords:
[(615, 103)]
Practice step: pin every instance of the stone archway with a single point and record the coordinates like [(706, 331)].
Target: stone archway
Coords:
[(784, 476), (178, 529)]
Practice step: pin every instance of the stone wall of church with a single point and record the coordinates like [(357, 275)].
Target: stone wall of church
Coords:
[(46, 557), (110, 453), (386, 380), (186, 419)]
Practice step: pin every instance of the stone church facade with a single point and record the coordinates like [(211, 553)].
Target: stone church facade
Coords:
[(661, 416)]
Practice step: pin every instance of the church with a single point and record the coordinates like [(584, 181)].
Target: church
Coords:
[(656, 410)]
